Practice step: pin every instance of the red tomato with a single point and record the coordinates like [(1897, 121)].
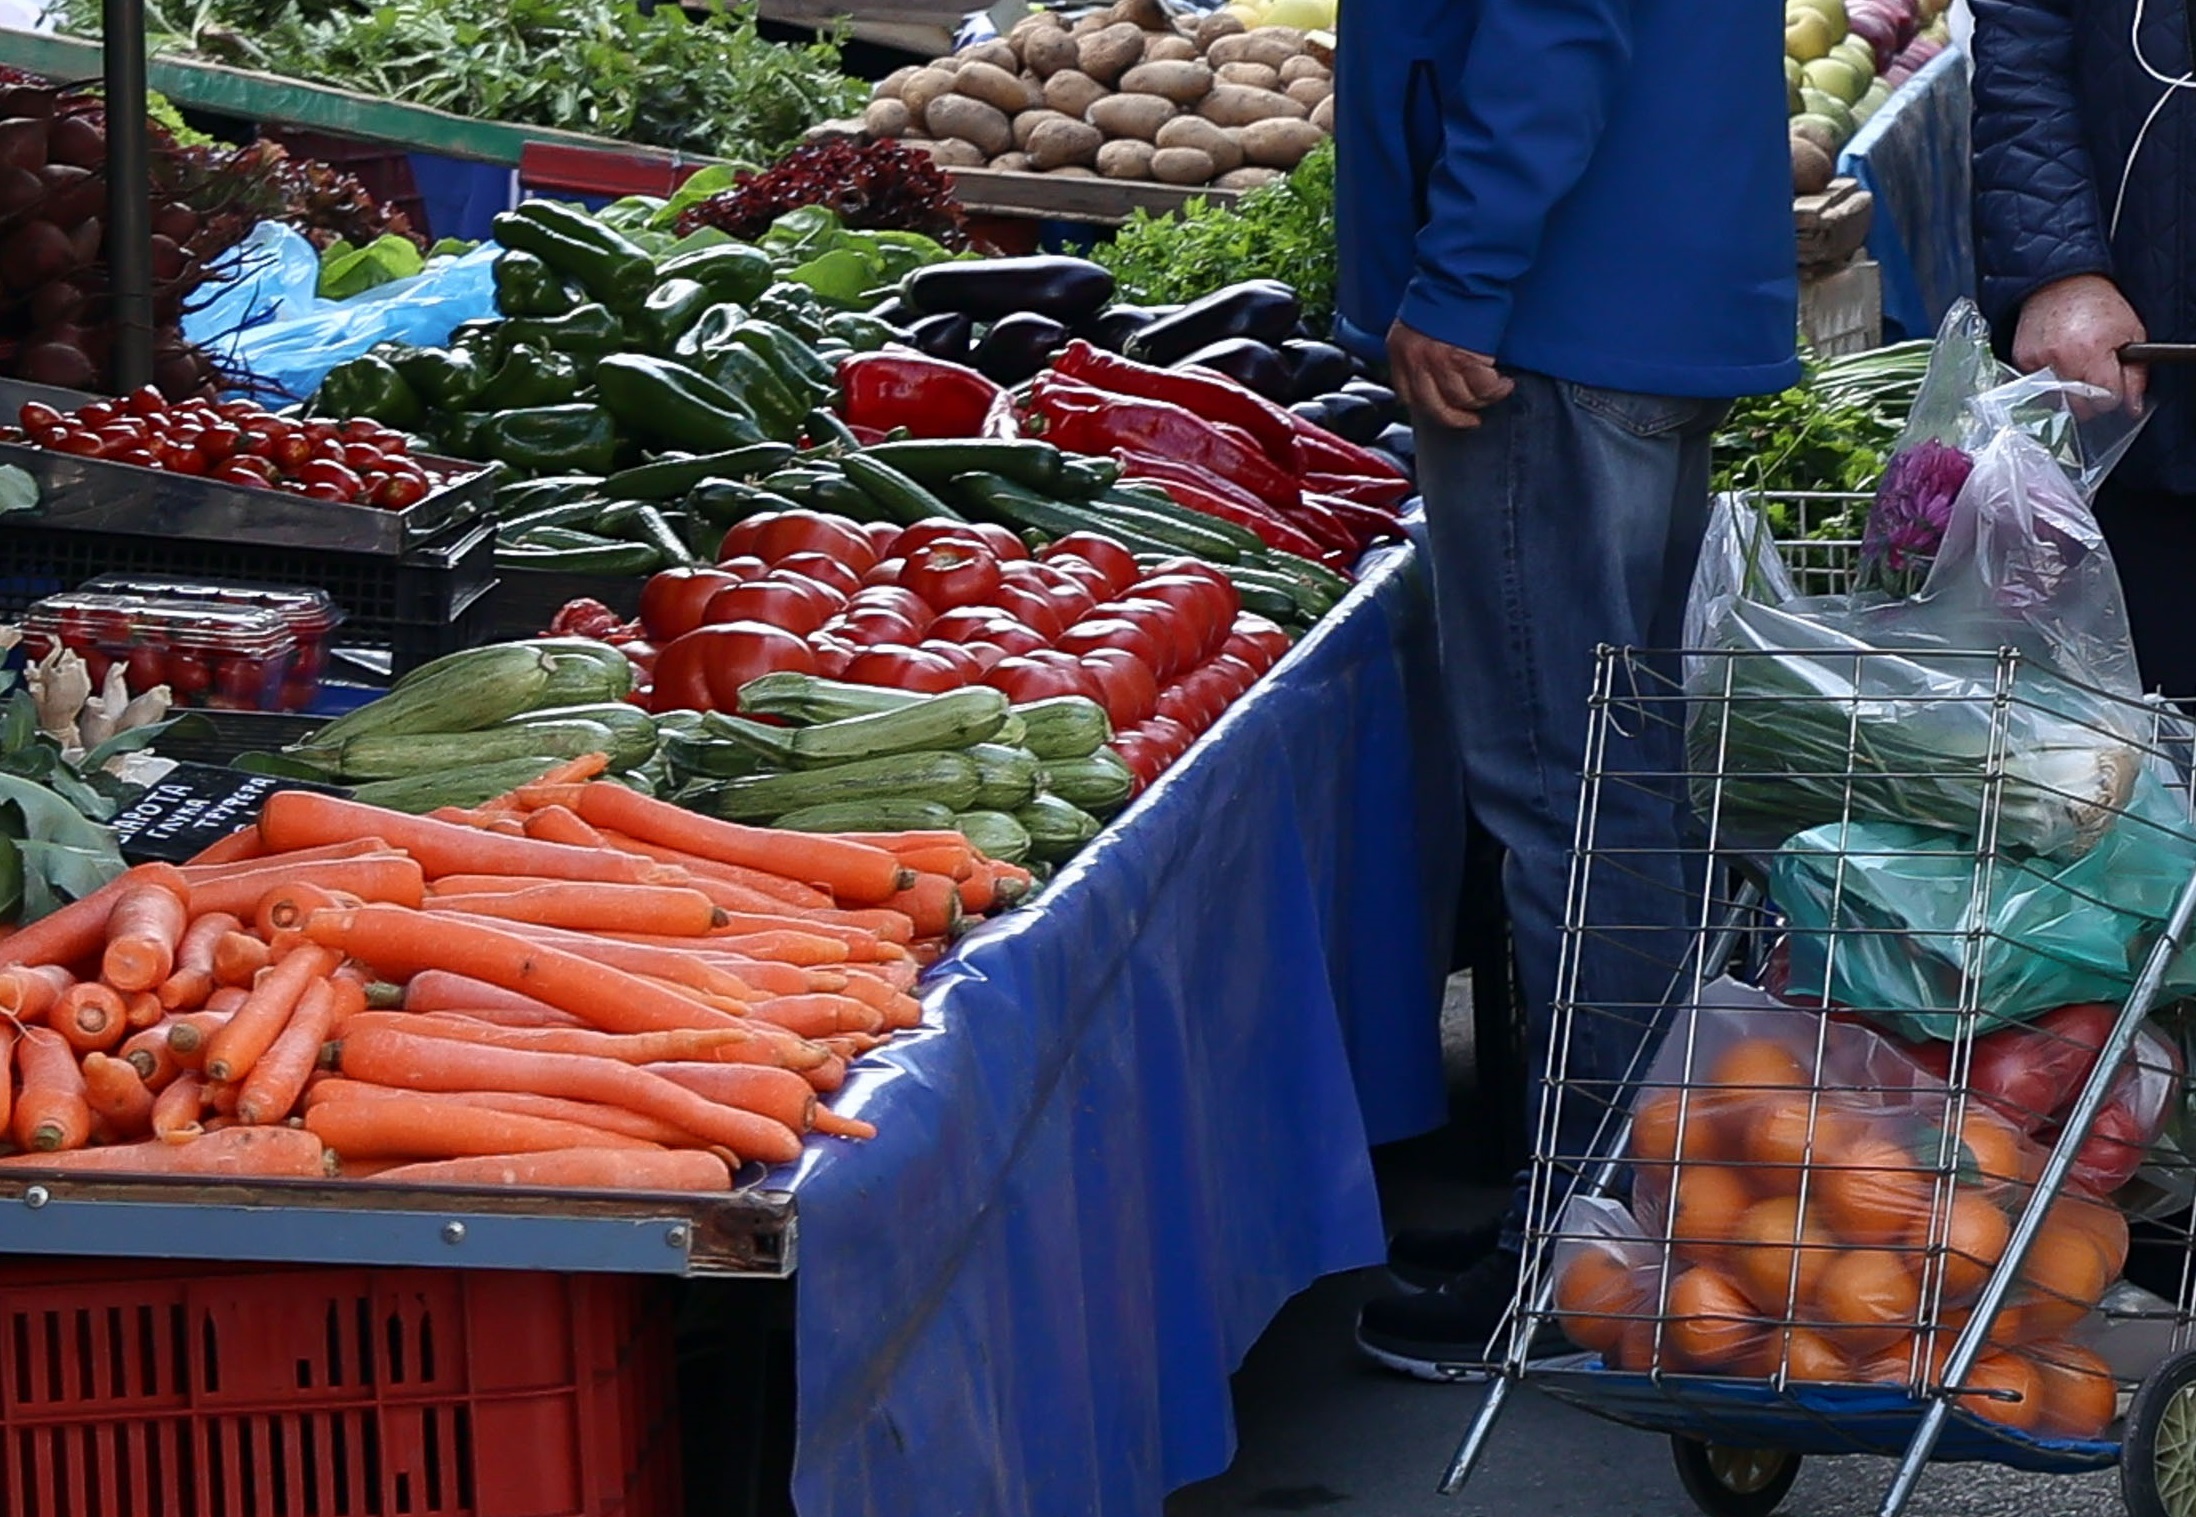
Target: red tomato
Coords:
[(833, 653), (881, 535), (937, 530), (820, 595), (1029, 572), (824, 570), (1195, 705), (187, 674), (1024, 678), (1089, 576), (918, 612), (986, 654), (37, 418), (774, 605), (1173, 738), (791, 532), (326, 471), (1032, 607), (867, 626), (1216, 685), (1253, 634), (147, 668), (1173, 627), (145, 401), (1004, 545), (885, 571), (1211, 611), (744, 568), (965, 622), (897, 667), (1145, 755), (1108, 557), (950, 572), (1129, 692), (960, 656), (1241, 676), (703, 670), (2028, 1074), (1113, 632), (675, 602)]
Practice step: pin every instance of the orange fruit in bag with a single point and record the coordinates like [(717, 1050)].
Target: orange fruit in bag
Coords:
[(2080, 1397), (1873, 1191), (1711, 1326), (1773, 1250), (1708, 1204), (1670, 1125), (1810, 1359), (2006, 1372), (1780, 1135), (1974, 1235), (1598, 1295), (1868, 1300)]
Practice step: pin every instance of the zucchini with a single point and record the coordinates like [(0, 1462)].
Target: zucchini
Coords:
[(952, 720), (868, 816), (1064, 727), (951, 779), (1100, 784), (462, 692), (1197, 538), (810, 698), (1009, 775), (583, 673), (632, 730), (471, 786), (721, 756), (1056, 828), (994, 834), (373, 756), (905, 501)]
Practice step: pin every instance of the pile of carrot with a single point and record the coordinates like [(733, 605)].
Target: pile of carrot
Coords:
[(574, 986)]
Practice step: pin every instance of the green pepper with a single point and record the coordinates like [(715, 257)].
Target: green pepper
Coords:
[(619, 278), (791, 359), (586, 332), (743, 371), (730, 271), (447, 379), (525, 286), (712, 330), (531, 378), (792, 306), (457, 434), (484, 339), (862, 332), (570, 439), (671, 308), (671, 404), (369, 387)]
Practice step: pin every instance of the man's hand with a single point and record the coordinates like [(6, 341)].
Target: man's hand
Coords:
[(1440, 383), (2076, 328)]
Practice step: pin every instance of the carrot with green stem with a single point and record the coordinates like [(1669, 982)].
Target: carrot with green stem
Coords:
[(51, 1112), (623, 1169), (257, 1153), (301, 818), (277, 1078), (147, 1051), (614, 1119), (192, 979), (177, 1109), (387, 877), (91, 1016), (415, 1125), (77, 933), (29, 992), (852, 872), (117, 1094), (143, 932), (663, 910), (245, 1038)]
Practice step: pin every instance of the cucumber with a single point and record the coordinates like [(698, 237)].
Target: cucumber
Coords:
[(869, 816), (1319, 576), (1009, 775), (1157, 502), (1056, 828), (609, 560), (471, 786), (952, 720), (809, 698), (1197, 538), (1029, 463), (632, 730), (1002, 500), (669, 478), (905, 501), (1064, 727), (995, 835), (1273, 596), (1085, 477), (951, 779), (565, 513), (1099, 784)]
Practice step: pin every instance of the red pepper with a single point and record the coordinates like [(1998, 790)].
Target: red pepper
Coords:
[(928, 396), (1200, 391), (1325, 453), (1379, 493), (1260, 519), (1135, 465), (1086, 420), (1324, 527), (1370, 523)]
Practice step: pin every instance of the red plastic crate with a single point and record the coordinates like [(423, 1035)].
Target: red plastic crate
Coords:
[(560, 168), (219, 1391)]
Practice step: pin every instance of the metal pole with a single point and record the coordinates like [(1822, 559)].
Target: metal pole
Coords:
[(129, 199)]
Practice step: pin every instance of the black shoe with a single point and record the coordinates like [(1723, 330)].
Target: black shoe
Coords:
[(1426, 1258), (1449, 1333)]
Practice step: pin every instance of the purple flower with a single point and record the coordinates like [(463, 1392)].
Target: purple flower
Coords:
[(1912, 510)]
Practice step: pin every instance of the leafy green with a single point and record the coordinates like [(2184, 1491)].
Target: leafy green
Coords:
[(844, 267), (346, 271), (49, 852), (1279, 231)]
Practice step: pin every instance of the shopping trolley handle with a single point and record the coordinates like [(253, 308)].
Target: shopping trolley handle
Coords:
[(2159, 352)]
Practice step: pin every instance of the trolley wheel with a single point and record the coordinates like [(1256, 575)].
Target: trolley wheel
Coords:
[(2158, 1454), (1731, 1482)]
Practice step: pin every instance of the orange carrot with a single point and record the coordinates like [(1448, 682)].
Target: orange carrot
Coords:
[(440, 990), (818, 1016), (8, 1035), (244, 843), (763, 978), (779, 1094), (77, 933), (260, 1153), (878, 922), (377, 877), (350, 848), (29, 992), (898, 974), (802, 948), (238, 957), (679, 1170), (386, 1056), (482, 884), (740, 1042), (829, 1075), (560, 824), (955, 864), (679, 965), (399, 944), (763, 888), (285, 907), (50, 1111), (91, 1016), (148, 1052), (979, 893), (245, 1038), (616, 1119), (221, 1098), (513, 1016), (589, 907), (932, 903), (851, 871), (832, 1125), (404, 1124), (116, 1093), (228, 999), (568, 775), (303, 819), (192, 981), (897, 1009), (177, 1109), (277, 1079), (189, 1034), (142, 1009), (905, 843), (750, 924), (143, 932)]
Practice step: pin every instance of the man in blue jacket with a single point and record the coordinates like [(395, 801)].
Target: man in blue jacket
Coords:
[(2085, 141), (1569, 225)]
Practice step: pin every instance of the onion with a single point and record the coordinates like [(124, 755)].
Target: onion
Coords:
[(57, 364), (34, 254), (76, 141)]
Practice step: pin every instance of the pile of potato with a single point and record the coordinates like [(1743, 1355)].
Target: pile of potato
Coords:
[(1122, 94)]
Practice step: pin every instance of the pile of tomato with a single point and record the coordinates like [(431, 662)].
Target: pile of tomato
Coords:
[(940, 605), (1784, 1227), (236, 442)]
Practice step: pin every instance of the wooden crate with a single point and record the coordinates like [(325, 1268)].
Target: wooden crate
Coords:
[(1054, 197), (1842, 311), (1833, 226)]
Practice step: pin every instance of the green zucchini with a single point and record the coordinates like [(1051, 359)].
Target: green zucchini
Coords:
[(718, 757), (995, 835), (632, 730), (951, 779), (1157, 502), (809, 698), (582, 673), (868, 816), (1010, 775), (460, 692), (1100, 784), (419, 794), (995, 499), (952, 720), (1056, 828), (386, 757), (1064, 727)]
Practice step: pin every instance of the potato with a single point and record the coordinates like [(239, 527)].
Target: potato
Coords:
[(971, 121), (1181, 165), (1125, 159), (994, 86), (1090, 25), (1257, 76), (889, 87), (1247, 179), (1137, 116), (1270, 45), (1811, 168), (1302, 67), (886, 118), (1278, 143), (1048, 52), (1239, 105), (1144, 15), (1322, 115), (1059, 144), (1168, 47), (953, 153), (1182, 83), (1309, 92), (1010, 163), (1072, 92), (1034, 24), (1106, 54), (995, 52), (1074, 171), (1196, 132), (1214, 25), (1319, 46), (1026, 124), (924, 86)]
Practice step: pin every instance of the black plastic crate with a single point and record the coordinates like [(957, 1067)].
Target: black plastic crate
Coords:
[(526, 600)]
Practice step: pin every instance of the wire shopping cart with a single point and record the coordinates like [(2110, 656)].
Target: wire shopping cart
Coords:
[(1817, 535), (1848, 1164)]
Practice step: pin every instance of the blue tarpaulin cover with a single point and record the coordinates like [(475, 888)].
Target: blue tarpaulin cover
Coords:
[(1912, 156), (1138, 1121)]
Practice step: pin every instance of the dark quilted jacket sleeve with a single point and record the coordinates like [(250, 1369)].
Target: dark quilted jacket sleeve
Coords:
[(2037, 215)]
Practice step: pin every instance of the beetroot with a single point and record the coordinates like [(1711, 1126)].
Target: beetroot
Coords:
[(74, 140), (72, 193), (23, 142), (28, 100), (56, 303), (34, 254), (177, 223), (20, 189), (57, 364), (85, 240)]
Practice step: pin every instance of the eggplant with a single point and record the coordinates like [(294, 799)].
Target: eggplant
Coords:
[(1313, 411), (1315, 368), (1018, 346), (1378, 394), (944, 336), (1399, 442), (1115, 325), (895, 312), (1352, 418), (1066, 289), (1262, 308), (1408, 468), (1247, 361)]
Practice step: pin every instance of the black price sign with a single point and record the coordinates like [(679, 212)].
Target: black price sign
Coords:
[(193, 807)]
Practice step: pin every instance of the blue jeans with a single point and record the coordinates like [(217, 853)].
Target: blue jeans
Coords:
[(1570, 519)]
